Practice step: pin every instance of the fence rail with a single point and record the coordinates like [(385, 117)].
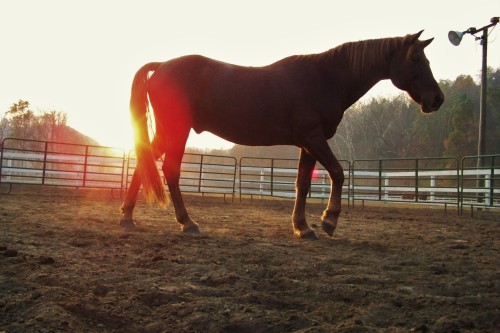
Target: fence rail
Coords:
[(480, 179), (199, 173), (276, 177), (429, 180), (61, 164), (472, 181)]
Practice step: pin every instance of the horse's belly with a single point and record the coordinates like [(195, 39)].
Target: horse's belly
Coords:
[(250, 133)]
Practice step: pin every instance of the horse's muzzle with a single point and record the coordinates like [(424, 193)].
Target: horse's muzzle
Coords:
[(434, 104)]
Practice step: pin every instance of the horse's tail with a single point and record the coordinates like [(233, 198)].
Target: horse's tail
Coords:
[(152, 186)]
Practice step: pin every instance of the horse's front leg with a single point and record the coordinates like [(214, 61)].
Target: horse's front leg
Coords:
[(331, 214), (318, 147), (302, 186)]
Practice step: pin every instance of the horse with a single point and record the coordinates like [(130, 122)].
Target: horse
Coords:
[(298, 100)]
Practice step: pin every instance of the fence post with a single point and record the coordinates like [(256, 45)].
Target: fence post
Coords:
[(85, 165), (200, 174), (1, 159), (353, 183), (349, 184), (234, 177), (127, 173), (272, 176), (379, 180), (261, 184), (487, 186), (480, 184), (492, 180), (416, 180), (239, 179), (44, 162), (433, 185), (459, 185), (123, 174)]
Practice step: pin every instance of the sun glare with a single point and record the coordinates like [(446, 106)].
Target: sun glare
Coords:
[(124, 139), (117, 136)]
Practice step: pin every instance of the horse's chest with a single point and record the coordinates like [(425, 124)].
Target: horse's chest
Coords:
[(330, 121)]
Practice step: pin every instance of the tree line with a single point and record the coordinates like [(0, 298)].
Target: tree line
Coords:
[(21, 122)]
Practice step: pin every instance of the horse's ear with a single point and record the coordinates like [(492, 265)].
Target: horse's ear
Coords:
[(426, 42), (415, 37)]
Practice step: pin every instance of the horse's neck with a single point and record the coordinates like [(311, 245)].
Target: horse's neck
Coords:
[(360, 86), (363, 65)]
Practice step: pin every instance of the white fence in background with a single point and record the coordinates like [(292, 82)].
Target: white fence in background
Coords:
[(420, 181)]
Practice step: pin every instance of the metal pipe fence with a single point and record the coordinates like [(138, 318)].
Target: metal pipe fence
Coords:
[(471, 182), (61, 164), (419, 180), (480, 181), (200, 173), (276, 177)]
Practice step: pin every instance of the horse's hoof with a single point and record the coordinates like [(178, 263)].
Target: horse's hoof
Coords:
[(192, 229), (307, 234), (328, 227), (128, 223)]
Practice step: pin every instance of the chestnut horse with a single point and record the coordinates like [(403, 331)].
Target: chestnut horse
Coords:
[(298, 100)]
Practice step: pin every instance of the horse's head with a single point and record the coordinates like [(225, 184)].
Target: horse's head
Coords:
[(410, 71)]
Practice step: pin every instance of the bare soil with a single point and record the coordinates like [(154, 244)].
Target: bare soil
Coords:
[(67, 266)]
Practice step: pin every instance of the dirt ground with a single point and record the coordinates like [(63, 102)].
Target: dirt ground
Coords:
[(67, 266)]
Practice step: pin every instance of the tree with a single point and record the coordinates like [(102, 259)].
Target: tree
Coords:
[(53, 124), (399, 138), (21, 120), (432, 130), (493, 112), (462, 140), (342, 143), (4, 127), (22, 123)]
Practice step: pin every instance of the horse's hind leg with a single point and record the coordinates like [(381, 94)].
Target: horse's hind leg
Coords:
[(128, 205), (172, 170)]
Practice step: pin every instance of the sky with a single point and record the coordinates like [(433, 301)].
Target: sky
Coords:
[(79, 57)]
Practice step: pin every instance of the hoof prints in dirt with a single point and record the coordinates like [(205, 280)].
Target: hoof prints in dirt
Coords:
[(419, 270)]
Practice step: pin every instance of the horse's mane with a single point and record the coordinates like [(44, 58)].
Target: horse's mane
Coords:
[(360, 56), (364, 55)]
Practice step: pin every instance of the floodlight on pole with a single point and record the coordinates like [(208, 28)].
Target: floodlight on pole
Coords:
[(455, 38)]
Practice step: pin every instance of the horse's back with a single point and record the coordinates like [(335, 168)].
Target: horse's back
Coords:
[(241, 104)]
